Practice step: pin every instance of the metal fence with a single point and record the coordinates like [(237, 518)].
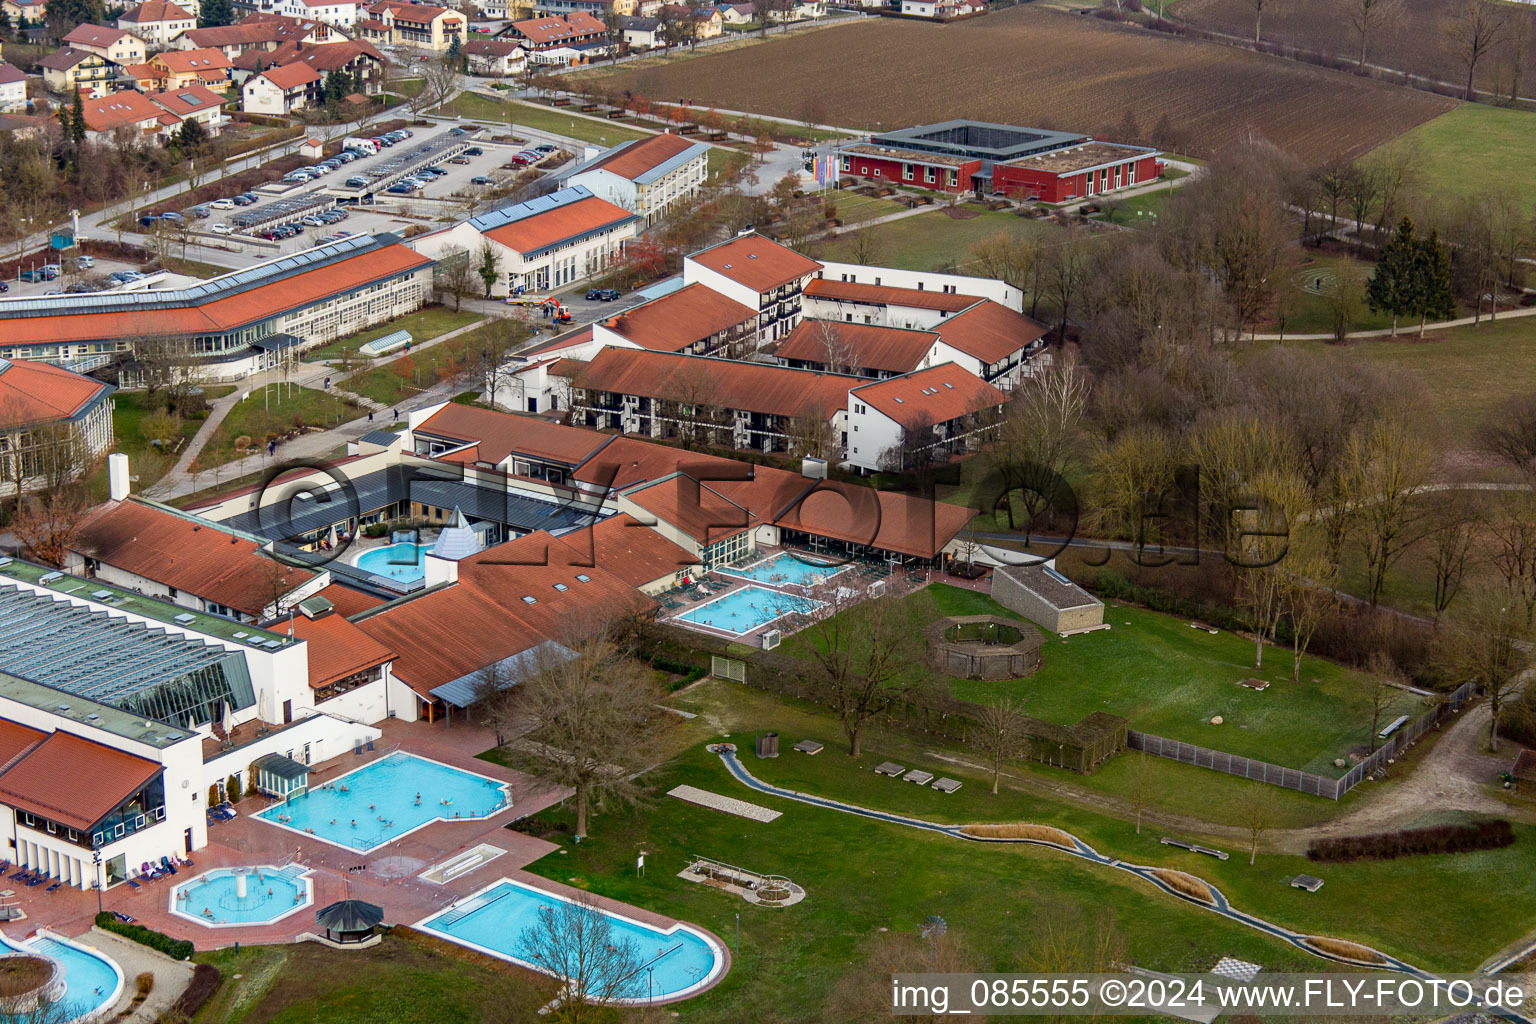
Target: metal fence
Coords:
[(1292, 778)]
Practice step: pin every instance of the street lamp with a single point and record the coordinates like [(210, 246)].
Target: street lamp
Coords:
[(96, 859)]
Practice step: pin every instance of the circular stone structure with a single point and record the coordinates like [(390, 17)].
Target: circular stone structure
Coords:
[(983, 647), (28, 981)]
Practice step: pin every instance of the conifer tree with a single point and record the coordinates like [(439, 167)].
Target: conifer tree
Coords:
[(1391, 287)]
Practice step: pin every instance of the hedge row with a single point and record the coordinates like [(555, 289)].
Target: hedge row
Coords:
[(206, 980), (1483, 835), (176, 949)]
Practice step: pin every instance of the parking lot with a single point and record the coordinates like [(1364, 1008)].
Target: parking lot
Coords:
[(372, 207)]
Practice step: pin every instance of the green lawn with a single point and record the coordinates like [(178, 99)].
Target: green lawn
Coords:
[(1499, 137), (399, 379), (854, 209), (934, 241), (275, 409), (424, 325), (396, 982), (148, 463), (541, 118), (725, 163)]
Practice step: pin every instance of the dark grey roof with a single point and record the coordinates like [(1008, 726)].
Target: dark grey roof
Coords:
[(463, 691), (349, 916), (642, 24), (384, 437), (281, 766)]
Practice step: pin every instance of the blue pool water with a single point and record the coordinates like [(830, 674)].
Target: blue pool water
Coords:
[(742, 611), (213, 898), (785, 568), (90, 981), (494, 920), (382, 801), (403, 562)]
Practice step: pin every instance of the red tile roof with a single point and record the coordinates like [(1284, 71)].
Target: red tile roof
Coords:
[(32, 392), (638, 157), (865, 346), (756, 262), (881, 519), (628, 461), (443, 635), (755, 387), (193, 557), (155, 10), (250, 306), (10, 74), (189, 99), (559, 224), (144, 72), (337, 648), (254, 29), (335, 56), (989, 331), (73, 781), (629, 549), (347, 601), (184, 62), (559, 29), (679, 319), (877, 295), (291, 76), (94, 35), (16, 739), (494, 47), (939, 393), (709, 510), (499, 434)]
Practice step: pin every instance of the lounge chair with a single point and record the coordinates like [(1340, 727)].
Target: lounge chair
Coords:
[(370, 744), (145, 871), (132, 884), (357, 751), (36, 880), (18, 875), (52, 887), (125, 918), (165, 862)]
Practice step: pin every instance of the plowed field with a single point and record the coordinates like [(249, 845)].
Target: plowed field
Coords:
[(1047, 69)]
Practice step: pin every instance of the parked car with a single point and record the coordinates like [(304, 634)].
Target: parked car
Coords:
[(356, 182), (519, 159), (482, 180), (223, 204), (474, 151), (245, 200), (85, 262), (313, 221), (149, 220), (457, 131), (401, 190), (223, 229), (172, 215), (547, 148), (4, 287), (200, 212), (602, 294)]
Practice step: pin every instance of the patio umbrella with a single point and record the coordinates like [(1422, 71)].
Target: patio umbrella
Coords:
[(229, 719)]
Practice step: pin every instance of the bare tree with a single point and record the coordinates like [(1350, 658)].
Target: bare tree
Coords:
[(1382, 696), (1258, 818), (1132, 476), (453, 274), (1308, 591), (1452, 527), (839, 353), (1512, 530), (495, 704), (1509, 435), (591, 722), (1000, 734), (1365, 16), (864, 651), (1489, 644), (1259, 7), (574, 941), (865, 245), (863, 996), (1476, 28), (1139, 787), (1388, 465), (439, 79)]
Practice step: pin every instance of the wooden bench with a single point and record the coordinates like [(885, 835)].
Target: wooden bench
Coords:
[(890, 768)]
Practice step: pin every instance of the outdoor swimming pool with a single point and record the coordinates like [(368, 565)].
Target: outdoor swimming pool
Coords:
[(672, 964), (786, 568), (402, 562), (229, 897), (389, 798), (91, 981), (742, 611)]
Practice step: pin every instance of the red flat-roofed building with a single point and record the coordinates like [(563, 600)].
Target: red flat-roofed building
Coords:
[(920, 418), (759, 273), (1085, 170), (546, 243)]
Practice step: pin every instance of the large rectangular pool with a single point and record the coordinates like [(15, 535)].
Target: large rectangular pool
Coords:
[(744, 610), (497, 920), (787, 568), (388, 798)]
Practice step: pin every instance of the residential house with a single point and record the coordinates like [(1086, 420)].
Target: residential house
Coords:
[(637, 8), (564, 30), (157, 22), (361, 60), (421, 26), (920, 418), (342, 14), (126, 111), (707, 18), (737, 14), (29, 12), (759, 273), (116, 45), (281, 90), (645, 176), (941, 9), (545, 243), (498, 57), (13, 89), (194, 103), (258, 32), (542, 8), (176, 68), (643, 33), (694, 319), (67, 69)]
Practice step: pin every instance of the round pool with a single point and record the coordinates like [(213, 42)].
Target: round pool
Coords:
[(229, 897), (402, 562)]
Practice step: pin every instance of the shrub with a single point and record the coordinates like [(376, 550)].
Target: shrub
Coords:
[(1347, 950), (232, 788), (1482, 835), (145, 982), (176, 949), (206, 980)]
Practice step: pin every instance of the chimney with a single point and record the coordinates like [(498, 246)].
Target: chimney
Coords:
[(117, 476)]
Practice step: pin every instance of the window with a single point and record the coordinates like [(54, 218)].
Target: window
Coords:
[(929, 175), (906, 172)]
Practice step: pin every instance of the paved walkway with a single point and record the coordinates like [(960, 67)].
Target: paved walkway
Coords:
[(1220, 904)]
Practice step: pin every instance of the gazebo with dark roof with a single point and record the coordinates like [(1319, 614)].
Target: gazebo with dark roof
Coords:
[(349, 920)]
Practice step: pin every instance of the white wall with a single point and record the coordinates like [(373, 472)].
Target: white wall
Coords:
[(327, 738), (932, 281), (604, 184), (875, 433), (696, 273)]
